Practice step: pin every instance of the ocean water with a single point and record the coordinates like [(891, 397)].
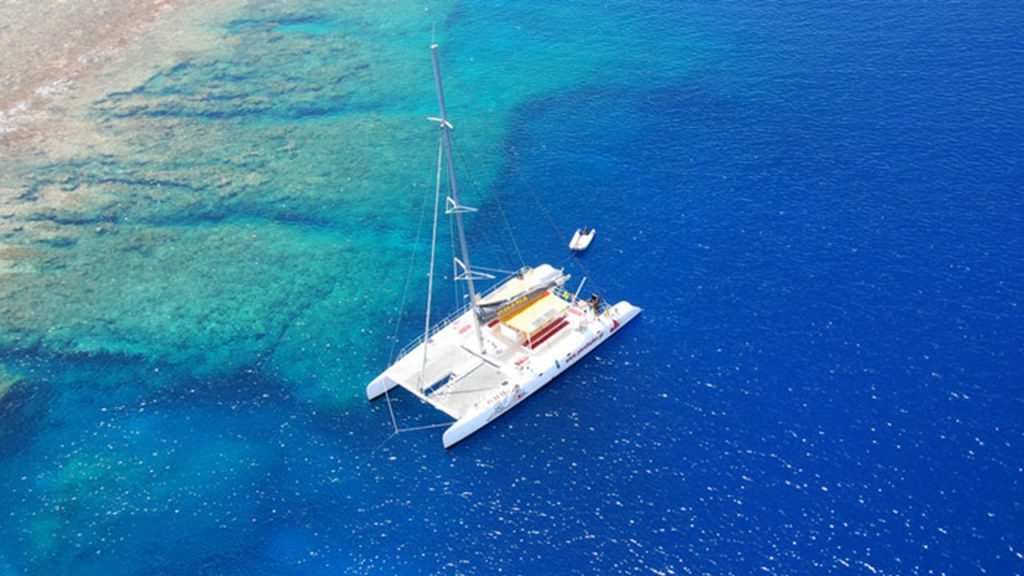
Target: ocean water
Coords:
[(817, 205)]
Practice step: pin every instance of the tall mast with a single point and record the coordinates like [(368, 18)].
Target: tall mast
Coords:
[(454, 206)]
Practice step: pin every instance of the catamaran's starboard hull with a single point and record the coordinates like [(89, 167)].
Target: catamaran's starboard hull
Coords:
[(617, 317)]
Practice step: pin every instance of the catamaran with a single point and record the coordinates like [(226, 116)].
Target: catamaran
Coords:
[(504, 344)]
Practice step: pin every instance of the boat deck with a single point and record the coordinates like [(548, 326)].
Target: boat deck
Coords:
[(457, 379)]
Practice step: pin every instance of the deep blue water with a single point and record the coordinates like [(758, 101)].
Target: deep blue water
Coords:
[(822, 219)]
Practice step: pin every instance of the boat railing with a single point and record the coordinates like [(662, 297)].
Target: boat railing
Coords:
[(434, 329), (450, 318)]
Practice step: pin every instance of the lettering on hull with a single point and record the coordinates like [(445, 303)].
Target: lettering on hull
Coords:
[(506, 400), (569, 357)]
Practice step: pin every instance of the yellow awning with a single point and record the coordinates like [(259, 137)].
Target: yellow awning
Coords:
[(531, 318)]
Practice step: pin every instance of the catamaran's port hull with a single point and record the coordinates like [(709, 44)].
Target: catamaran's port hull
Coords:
[(379, 386), (623, 312)]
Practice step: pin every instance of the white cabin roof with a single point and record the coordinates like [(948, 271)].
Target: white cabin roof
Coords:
[(519, 284)]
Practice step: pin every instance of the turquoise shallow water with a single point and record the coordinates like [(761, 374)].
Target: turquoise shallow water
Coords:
[(817, 207)]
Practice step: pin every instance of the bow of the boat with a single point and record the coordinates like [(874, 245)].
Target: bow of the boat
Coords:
[(379, 386)]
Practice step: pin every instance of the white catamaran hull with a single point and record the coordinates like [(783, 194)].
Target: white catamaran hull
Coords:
[(379, 386), (595, 335)]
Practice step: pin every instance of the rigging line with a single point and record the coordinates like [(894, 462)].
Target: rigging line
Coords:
[(455, 267), (391, 411), (543, 208), (405, 289), (486, 214), (433, 258), (501, 210), (575, 259), (386, 440), (497, 270), (424, 427), (408, 279), (511, 234), (492, 224), (398, 431)]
